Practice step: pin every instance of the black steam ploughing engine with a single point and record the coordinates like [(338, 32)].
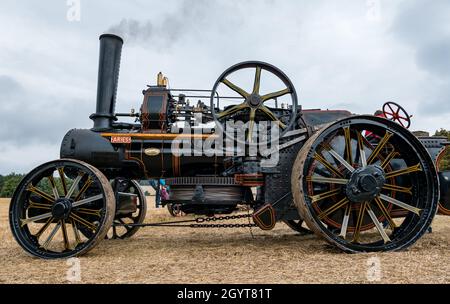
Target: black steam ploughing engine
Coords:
[(362, 182)]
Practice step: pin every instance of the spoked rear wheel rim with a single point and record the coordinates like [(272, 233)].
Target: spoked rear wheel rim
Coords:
[(54, 201), (343, 182)]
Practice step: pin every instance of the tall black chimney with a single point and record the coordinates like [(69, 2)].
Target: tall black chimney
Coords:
[(108, 77)]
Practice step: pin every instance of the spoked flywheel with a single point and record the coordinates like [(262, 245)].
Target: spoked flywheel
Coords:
[(54, 202), (345, 186), (132, 209), (258, 106)]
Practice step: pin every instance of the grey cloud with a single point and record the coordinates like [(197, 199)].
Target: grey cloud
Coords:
[(29, 117), (335, 57), (424, 26), (439, 103), (9, 88), (435, 57)]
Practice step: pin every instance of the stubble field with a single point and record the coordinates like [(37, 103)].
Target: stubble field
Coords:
[(184, 255)]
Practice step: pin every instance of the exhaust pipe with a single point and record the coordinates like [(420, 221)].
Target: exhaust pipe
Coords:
[(108, 78)]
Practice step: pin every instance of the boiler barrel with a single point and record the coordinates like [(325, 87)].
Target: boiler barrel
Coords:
[(138, 159)]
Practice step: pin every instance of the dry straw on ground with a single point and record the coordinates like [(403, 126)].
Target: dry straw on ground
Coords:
[(183, 255)]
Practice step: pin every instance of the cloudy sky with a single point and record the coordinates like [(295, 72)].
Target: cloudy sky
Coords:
[(349, 54)]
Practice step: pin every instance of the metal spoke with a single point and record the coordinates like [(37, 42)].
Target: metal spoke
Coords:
[(359, 222), (327, 180), (74, 185), (344, 225), (75, 233), (385, 213), (400, 204), (329, 166), (379, 147), (393, 111), (63, 180), (235, 88), (232, 110), (89, 211), (340, 159), (50, 237), (251, 123), (272, 116), (348, 145), (362, 153), (54, 189), (115, 235), (87, 200), (378, 224), (257, 83), (128, 228), (40, 193), (388, 159), (333, 208), (86, 185), (44, 216), (43, 228), (83, 222), (397, 188), (275, 94), (39, 206), (408, 170), (65, 236), (322, 196)]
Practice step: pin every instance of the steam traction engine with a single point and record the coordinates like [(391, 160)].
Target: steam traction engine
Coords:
[(363, 183)]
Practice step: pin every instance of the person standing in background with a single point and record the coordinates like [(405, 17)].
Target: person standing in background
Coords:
[(160, 190)]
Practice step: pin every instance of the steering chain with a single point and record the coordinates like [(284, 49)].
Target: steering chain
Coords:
[(200, 222)]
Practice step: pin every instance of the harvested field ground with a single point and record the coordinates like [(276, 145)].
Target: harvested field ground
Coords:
[(183, 255)]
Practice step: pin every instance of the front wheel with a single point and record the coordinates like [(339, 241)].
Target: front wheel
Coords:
[(55, 202)]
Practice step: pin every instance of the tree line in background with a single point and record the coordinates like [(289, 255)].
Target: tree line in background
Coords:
[(8, 183)]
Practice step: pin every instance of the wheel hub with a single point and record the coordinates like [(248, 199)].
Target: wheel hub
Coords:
[(61, 209), (365, 183), (254, 100)]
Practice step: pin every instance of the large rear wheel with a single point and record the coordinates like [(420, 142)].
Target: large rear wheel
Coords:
[(345, 186)]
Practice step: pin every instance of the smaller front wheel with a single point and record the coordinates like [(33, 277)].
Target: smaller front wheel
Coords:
[(55, 202), (132, 210)]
